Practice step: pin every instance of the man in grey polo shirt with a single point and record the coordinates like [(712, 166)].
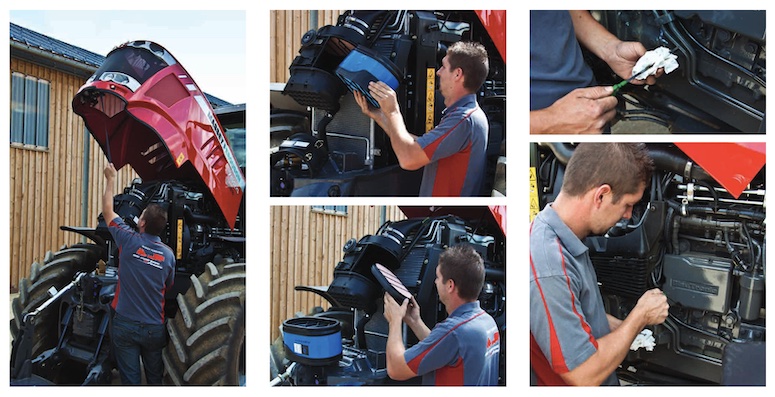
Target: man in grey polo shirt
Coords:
[(572, 339)]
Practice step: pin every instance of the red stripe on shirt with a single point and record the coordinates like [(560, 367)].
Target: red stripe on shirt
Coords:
[(448, 183), (451, 375), (414, 364), (558, 365)]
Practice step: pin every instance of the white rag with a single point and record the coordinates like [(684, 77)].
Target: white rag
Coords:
[(658, 58), (644, 339)]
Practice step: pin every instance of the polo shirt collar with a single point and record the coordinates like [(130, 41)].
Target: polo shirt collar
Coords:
[(465, 101), (569, 240)]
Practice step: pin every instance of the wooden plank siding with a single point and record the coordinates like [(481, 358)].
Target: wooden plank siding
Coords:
[(286, 28), (46, 184), (305, 247)]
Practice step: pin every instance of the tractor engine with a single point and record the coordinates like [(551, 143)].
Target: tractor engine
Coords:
[(194, 231), (345, 345)]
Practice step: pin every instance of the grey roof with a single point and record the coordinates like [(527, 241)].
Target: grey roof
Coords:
[(51, 45), (42, 42)]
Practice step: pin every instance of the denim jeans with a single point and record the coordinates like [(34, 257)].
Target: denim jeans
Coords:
[(132, 340)]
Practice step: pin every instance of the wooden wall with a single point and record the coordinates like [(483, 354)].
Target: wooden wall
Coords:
[(46, 184), (305, 248), (286, 27)]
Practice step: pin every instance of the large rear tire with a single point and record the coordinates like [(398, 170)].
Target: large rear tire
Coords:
[(57, 270), (207, 337)]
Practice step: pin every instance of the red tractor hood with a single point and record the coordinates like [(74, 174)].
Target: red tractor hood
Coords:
[(733, 165), (493, 214), (145, 110)]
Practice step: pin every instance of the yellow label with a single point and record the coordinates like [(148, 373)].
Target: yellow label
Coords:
[(180, 159), (179, 253), (430, 98), (534, 206)]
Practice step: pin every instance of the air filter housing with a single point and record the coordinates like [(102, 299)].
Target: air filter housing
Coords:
[(362, 66), (315, 341)]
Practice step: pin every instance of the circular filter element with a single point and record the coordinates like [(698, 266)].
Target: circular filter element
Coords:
[(390, 283)]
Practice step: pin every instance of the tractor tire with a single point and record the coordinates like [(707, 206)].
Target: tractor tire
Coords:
[(207, 336), (57, 270)]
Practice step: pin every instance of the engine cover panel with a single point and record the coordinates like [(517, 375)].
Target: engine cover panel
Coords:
[(698, 281)]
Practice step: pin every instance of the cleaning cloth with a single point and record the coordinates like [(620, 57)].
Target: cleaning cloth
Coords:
[(658, 58), (644, 339)]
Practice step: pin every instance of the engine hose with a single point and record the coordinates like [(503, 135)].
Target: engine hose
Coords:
[(322, 125), (713, 193), (283, 376), (192, 217), (702, 210), (663, 160), (494, 274)]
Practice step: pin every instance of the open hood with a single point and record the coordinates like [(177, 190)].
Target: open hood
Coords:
[(493, 214), (145, 110)]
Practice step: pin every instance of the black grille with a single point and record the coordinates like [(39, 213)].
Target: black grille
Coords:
[(625, 277)]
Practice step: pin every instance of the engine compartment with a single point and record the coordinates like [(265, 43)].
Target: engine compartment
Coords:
[(720, 86), (703, 246)]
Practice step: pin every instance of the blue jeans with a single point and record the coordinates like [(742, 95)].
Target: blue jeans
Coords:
[(132, 340)]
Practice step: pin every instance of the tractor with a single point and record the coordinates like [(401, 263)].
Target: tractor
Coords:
[(145, 110)]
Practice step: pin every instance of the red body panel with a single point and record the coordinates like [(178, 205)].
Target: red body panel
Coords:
[(165, 129), (733, 165), (494, 214), (495, 23)]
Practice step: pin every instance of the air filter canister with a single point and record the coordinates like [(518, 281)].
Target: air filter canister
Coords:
[(362, 66), (313, 341)]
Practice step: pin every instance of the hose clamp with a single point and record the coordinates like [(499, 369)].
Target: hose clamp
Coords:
[(688, 170)]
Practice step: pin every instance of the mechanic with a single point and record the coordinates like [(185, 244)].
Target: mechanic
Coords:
[(146, 270), (573, 341), (563, 95), (461, 350), (454, 152)]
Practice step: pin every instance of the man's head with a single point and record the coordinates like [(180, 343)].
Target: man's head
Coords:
[(460, 269), (613, 175), (153, 220), (467, 62)]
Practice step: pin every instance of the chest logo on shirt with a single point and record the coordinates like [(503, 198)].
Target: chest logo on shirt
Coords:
[(149, 256)]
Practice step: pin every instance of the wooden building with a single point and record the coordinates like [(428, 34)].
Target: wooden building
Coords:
[(306, 244)]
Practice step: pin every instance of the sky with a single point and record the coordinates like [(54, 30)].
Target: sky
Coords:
[(209, 44)]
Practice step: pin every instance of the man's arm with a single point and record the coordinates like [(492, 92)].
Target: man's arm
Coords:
[(107, 197), (397, 368), (621, 56), (611, 349), (410, 154)]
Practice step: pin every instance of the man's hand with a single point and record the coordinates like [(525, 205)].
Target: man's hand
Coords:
[(110, 172), (652, 306), (385, 97), (623, 57), (394, 312), (582, 111)]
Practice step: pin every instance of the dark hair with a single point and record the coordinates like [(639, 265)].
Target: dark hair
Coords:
[(472, 58), (155, 219), (623, 166), (466, 267)]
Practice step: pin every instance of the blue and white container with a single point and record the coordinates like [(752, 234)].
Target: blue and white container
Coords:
[(313, 341)]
